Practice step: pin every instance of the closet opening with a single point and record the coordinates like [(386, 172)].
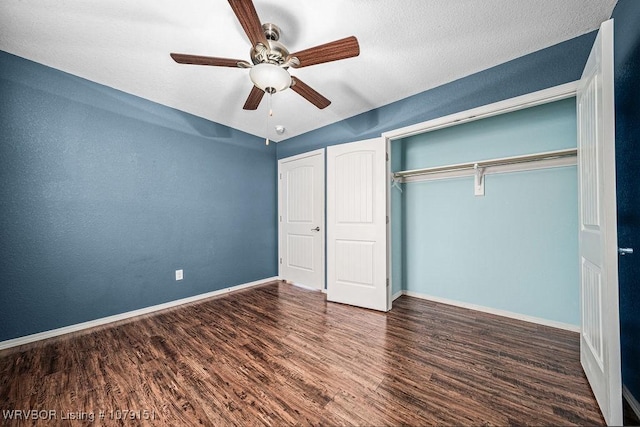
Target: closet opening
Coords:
[(484, 209)]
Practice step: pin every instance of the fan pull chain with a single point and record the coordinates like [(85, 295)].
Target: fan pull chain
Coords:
[(267, 122)]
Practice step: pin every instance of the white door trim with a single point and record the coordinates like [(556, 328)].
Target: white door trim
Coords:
[(322, 233), (528, 100)]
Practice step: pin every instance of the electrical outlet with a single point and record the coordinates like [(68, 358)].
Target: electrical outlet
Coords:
[(179, 275)]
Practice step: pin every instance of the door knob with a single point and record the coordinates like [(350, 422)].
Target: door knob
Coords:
[(625, 251), (315, 229)]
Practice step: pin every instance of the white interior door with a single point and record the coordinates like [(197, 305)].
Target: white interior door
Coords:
[(301, 231), (600, 330), (356, 224)]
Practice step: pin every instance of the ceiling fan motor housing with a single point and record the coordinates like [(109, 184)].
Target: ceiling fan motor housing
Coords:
[(276, 53)]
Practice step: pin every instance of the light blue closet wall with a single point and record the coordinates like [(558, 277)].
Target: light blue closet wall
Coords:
[(516, 248), (397, 223)]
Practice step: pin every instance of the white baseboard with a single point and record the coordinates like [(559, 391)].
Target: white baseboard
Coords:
[(504, 313), (303, 286), (122, 316), (396, 295), (631, 400)]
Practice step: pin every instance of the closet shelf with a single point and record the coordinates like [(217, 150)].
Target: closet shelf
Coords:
[(537, 157)]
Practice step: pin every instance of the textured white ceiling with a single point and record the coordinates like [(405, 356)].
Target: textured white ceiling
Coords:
[(406, 47)]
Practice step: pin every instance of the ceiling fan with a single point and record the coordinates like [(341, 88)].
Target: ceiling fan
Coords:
[(271, 59)]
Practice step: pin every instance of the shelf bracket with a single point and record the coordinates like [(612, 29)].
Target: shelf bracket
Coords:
[(395, 183), (478, 181)]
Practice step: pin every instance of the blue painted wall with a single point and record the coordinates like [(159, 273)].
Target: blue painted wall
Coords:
[(627, 92), (105, 194), (539, 70), (516, 248)]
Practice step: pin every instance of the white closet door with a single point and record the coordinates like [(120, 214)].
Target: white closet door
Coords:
[(301, 232), (600, 332), (356, 224)]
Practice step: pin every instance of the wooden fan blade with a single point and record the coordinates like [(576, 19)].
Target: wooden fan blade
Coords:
[(303, 89), (182, 58), (333, 51), (254, 99), (246, 13)]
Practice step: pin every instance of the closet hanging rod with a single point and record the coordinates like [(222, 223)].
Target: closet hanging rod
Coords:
[(548, 155)]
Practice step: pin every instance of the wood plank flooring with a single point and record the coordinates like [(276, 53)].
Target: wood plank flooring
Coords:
[(282, 355)]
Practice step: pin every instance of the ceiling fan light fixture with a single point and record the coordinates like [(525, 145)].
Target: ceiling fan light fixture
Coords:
[(270, 78)]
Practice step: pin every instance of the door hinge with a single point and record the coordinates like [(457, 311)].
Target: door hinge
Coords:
[(280, 218), (280, 176), (280, 260), (387, 282), (387, 156), (387, 219)]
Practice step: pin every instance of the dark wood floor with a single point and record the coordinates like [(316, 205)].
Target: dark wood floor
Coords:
[(281, 355)]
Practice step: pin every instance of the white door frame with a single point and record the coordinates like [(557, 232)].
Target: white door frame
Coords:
[(321, 212)]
